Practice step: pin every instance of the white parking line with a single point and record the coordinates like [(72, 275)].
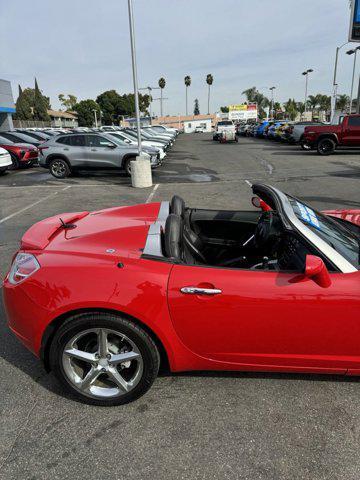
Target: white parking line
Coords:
[(32, 205), (248, 182), (150, 197)]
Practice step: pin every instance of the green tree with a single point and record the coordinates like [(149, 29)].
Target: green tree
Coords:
[(254, 96), (342, 102), (224, 109), (41, 105), (196, 107), (111, 105), (23, 107), (161, 84), (85, 110), (67, 101), (300, 107), (187, 81), (209, 81), (291, 109)]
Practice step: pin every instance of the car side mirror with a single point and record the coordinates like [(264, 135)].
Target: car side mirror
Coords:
[(315, 269), (110, 145)]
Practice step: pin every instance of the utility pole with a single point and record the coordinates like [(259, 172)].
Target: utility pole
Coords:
[(140, 169), (335, 85), (149, 89), (96, 123), (352, 52), (306, 74), (272, 100)]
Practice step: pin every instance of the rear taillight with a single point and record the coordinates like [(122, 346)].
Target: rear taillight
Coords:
[(24, 265)]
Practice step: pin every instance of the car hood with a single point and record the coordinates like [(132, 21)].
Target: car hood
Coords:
[(119, 231), (352, 216)]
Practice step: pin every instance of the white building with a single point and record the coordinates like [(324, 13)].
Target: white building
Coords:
[(201, 124)]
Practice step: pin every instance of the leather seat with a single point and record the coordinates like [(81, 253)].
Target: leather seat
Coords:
[(173, 236), (177, 206)]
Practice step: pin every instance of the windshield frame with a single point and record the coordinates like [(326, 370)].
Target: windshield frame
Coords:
[(288, 215)]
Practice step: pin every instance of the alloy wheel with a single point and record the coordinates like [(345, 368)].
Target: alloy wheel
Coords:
[(102, 363), (58, 168)]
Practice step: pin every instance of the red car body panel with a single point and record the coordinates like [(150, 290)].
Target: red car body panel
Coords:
[(352, 216), (263, 320), (25, 153)]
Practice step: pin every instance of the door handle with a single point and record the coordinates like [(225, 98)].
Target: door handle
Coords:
[(65, 149), (200, 291), (94, 150)]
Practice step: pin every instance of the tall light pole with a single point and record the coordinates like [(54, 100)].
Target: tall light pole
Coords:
[(149, 89), (352, 52), (96, 124), (272, 100), (140, 169), (306, 74), (335, 85), (134, 69)]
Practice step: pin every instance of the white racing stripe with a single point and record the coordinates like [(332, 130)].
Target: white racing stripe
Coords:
[(2, 220), (150, 197)]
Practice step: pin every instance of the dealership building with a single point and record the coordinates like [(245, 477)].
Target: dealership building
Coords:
[(7, 107)]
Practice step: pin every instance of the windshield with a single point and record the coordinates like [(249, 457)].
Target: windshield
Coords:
[(340, 238)]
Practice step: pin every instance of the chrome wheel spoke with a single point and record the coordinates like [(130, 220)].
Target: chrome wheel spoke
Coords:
[(80, 355), (89, 378), (123, 357), (102, 343), (119, 381)]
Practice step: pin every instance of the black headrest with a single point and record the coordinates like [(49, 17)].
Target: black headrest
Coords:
[(173, 235), (177, 206)]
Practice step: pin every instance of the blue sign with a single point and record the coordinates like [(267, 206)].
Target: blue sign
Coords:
[(354, 34), (357, 12)]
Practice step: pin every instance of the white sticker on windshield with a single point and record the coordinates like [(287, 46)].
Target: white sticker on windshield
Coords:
[(308, 215)]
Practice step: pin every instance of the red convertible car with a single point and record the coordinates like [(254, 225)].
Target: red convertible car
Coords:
[(104, 298)]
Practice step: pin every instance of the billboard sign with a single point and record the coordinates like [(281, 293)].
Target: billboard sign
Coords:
[(243, 111), (354, 33)]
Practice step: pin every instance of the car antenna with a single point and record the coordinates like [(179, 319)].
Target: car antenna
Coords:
[(66, 225)]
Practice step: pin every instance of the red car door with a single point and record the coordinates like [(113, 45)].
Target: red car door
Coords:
[(267, 319), (351, 131)]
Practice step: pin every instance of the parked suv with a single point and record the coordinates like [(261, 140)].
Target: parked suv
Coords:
[(65, 154), (5, 160), (22, 154), (327, 138)]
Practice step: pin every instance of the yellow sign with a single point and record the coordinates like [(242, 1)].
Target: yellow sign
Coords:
[(236, 108)]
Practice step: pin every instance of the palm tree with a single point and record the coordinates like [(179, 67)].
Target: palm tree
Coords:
[(342, 102), (209, 81), (291, 108), (313, 102), (187, 81), (254, 96), (161, 84)]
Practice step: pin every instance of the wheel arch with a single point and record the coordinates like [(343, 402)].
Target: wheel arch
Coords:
[(126, 157), (55, 324), (52, 156), (331, 136)]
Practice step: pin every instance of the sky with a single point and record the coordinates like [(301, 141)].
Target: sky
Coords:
[(82, 47)]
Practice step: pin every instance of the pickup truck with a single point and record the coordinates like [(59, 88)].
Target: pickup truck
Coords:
[(326, 138), (222, 126)]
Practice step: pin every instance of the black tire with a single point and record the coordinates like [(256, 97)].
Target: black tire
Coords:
[(59, 168), (84, 321), (127, 166), (2, 172), (326, 146), (15, 162), (304, 145)]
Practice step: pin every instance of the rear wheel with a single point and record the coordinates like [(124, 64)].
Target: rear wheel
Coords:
[(304, 145), (103, 359), (2, 172), (59, 168), (127, 166), (326, 146), (15, 162)]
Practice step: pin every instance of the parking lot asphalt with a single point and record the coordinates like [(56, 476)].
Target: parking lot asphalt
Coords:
[(188, 426)]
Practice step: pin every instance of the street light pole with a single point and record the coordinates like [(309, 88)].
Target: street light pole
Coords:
[(134, 69), (335, 85), (306, 74), (272, 100), (96, 124), (352, 52), (140, 168)]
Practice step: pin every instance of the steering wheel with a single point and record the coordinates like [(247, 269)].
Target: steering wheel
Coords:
[(263, 228)]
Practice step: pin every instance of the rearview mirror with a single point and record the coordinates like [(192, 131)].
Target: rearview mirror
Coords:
[(258, 203), (315, 269)]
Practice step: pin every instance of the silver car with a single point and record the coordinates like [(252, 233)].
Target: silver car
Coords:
[(65, 154)]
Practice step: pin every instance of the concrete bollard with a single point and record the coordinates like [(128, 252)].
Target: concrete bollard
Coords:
[(141, 172)]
